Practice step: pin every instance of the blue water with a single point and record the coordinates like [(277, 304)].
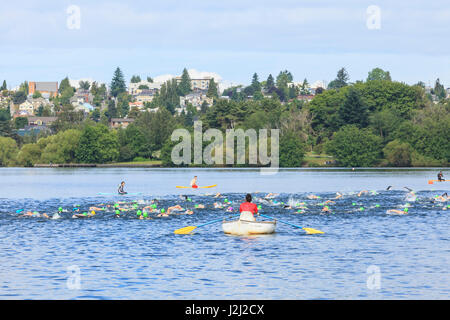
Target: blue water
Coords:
[(128, 258)]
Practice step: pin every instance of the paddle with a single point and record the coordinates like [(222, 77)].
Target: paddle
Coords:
[(432, 181), (214, 185), (189, 229), (308, 230)]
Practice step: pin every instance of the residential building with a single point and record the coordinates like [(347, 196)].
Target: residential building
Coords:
[(41, 121), (120, 122), (196, 99), (50, 88), (145, 96), (133, 88), (201, 83)]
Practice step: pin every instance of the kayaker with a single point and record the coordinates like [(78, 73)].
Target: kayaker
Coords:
[(120, 190), (248, 209), (194, 183), (440, 176)]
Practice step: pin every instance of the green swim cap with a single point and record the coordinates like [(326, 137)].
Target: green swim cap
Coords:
[(226, 200), (406, 209), (353, 203), (139, 212), (377, 205), (60, 209), (135, 206), (145, 215), (361, 208), (196, 205), (84, 213), (118, 212), (259, 206), (153, 206), (189, 199), (116, 205)]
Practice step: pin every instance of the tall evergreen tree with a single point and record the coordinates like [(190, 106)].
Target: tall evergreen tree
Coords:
[(212, 89), (185, 85), (117, 85), (64, 84), (341, 80), (135, 79), (4, 87), (255, 83), (270, 84), (353, 110)]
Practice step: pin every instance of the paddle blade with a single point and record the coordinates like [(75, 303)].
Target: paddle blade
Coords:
[(185, 230), (430, 181), (214, 185), (182, 187), (312, 231)]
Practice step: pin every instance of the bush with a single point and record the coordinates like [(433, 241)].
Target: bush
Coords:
[(398, 154), (8, 151), (354, 147), (29, 155), (291, 150)]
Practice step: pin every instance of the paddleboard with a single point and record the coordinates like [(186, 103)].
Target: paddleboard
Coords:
[(214, 185), (432, 181), (126, 194)]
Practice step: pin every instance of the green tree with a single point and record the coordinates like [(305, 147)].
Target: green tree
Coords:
[(185, 84), (64, 84), (354, 147), (291, 150), (398, 154), (8, 151), (341, 80), (212, 89), (29, 155), (135, 79), (37, 95), (19, 97), (270, 84), (117, 85), (379, 74), (256, 85), (5, 123), (353, 110), (20, 122), (85, 85), (97, 145), (4, 87), (60, 148)]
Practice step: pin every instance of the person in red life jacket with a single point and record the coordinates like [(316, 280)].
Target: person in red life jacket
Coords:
[(194, 182), (247, 209)]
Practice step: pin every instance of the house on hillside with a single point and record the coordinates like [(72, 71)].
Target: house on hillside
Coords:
[(120, 122), (45, 88)]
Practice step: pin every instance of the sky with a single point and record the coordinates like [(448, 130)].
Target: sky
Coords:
[(48, 40)]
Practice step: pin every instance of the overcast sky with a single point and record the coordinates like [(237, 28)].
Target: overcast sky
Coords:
[(232, 38)]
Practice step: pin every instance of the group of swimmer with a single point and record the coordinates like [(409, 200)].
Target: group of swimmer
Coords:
[(151, 208)]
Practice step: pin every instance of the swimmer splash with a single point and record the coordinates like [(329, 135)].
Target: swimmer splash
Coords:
[(256, 153)]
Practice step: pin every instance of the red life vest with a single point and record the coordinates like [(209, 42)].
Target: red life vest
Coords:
[(248, 206)]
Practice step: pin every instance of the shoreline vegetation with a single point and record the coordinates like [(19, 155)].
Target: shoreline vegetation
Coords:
[(377, 122)]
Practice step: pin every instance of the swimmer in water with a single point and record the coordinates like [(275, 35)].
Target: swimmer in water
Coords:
[(121, 186), (338, 195), (34, 214), (217, 195), (443, 198), (312, 197), (394, 211), (362, 192), (271, 195)]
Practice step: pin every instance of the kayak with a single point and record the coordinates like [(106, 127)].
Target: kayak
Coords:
[(214, 185), (243, 227), (125, 194)]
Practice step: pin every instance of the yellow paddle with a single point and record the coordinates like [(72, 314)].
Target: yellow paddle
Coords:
[(214, 185), (189, 229), (308, 230)]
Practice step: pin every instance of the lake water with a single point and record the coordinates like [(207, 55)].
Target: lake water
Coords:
[(365, 253)]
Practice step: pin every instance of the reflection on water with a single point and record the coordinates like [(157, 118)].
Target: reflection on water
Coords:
[(128, 258)]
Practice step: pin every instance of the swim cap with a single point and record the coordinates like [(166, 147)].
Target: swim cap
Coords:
[(93, 212), (84, 213), (189, 199), (163, 210), (196, 205), (135, 206), (145, 215), (139, 212), (60, 209), (353, 203), (406, 209), (259, 206), (377, 205), (118, 212), (116, 205), (361, 208)]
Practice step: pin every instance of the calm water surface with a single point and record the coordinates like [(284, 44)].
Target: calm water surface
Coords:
[(128, 258)]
